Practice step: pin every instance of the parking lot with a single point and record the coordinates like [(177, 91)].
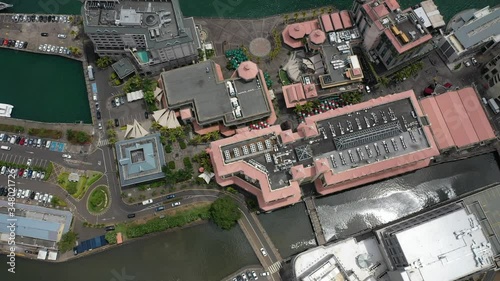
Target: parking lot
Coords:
[(22, 160), (38, 31)]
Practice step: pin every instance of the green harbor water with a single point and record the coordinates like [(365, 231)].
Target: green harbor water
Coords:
[(241, 8), (43, 87)]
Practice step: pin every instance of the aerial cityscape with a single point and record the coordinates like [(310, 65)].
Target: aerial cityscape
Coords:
[(239, 140)]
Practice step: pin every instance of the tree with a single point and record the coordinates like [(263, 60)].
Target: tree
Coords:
[(104, 62), (110, 237), (295, 16), (304, 15), (224, 212), (68, 241), (149, 97), (322, 10), (286, 17), (315, 13)]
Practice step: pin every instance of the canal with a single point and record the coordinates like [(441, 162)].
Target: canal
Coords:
[(202, 252), (43, 88)]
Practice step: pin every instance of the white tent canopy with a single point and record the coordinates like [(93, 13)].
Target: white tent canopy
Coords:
[(135, 131), (133, 96), (166, 118), (206, 176), (42, 254), (158, 94)]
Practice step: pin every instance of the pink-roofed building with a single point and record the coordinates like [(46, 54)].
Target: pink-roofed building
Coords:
[(271, 163), (337, 22), (293, 33), (327, 23), (457, 119), (298, 93), (346, 19), (390, 33)]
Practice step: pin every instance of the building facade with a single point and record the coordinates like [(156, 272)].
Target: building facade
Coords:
[(154, 35), (491, 77), (392, 36)]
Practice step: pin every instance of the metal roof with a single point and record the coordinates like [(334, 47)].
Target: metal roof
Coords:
[(479, 29), (123, 68), (32, 228)]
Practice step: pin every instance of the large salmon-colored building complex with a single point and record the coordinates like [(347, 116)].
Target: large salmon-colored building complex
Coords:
[(350, 146)]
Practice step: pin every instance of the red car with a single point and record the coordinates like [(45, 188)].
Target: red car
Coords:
[(22, 141), (20, 173), (5, 42)]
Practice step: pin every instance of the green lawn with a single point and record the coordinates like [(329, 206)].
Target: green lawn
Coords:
[(77, 189), (284, 78), (98, 199)]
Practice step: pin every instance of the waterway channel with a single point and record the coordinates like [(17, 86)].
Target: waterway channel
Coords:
[(202, 252)]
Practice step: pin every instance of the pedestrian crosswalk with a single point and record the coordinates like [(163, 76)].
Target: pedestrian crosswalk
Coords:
[(103, 142), (275, 267)]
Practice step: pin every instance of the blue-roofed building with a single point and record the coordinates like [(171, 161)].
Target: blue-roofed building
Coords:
[(33, 228), (469, 32), (140, 159)]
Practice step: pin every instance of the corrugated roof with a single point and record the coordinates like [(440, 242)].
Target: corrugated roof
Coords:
[(480, 29), (32, 228)]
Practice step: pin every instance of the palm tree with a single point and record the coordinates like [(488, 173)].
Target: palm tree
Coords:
[(304, 15), (295, 16), (322, 10), (315, 13), (330, 10), (285, 18)]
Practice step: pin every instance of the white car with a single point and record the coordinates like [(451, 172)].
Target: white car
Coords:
[(176, 204), (45, 197), (263, 251), (66, 156), (467, 63), (367, 89), (49, 200), (37, 196), (264, 274), (61, 36), (29, 162), (474, 61), (42, 176), (33, 175)]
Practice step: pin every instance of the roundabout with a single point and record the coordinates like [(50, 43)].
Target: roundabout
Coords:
[(98, 200)]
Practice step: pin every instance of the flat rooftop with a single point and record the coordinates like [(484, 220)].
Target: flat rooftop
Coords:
[(140, 159), (345, 260), (202, 87), (347, 141)]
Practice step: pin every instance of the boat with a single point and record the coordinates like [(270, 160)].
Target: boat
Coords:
[(4, 5), (5, 109)]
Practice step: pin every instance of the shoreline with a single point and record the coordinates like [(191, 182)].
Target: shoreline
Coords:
[(107, 247)]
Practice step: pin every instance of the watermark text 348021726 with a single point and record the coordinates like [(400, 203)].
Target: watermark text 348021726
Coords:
[(11, 222)]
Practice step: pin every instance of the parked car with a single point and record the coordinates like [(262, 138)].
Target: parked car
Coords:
[(130, 216), (66, 156), (42, 176), (117, 124), (161, 208), (29, 162), (117, 101), (170, 196), (37, 196), (44, 34), (110, 228), (176, 204), (146, 115), (474, 61), (98, 115), (467, 63), (61, 36), (49, 200)]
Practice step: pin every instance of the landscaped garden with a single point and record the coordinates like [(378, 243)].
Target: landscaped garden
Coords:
[(98, 200), (284, 78), (79, 188), (77, 137)]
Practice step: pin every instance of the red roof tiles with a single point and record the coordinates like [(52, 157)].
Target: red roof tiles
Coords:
[(346, 19), (327, 23)]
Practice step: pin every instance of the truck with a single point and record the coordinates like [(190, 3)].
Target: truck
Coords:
[(494, 106), (94, 91), (90, 71)]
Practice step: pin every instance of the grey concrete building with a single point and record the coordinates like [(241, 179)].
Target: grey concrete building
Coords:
[(140, 160), (153, 34), (491, 77), (469, 32)]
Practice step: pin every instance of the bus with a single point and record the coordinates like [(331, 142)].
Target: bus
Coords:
[(90, 71)]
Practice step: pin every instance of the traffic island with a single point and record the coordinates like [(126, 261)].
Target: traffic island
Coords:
[(99, 200), (77, 185)]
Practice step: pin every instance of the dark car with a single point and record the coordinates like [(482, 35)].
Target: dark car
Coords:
[(110, 228), (25, 45), (130, 216), (146, 115), (170, 196), (20, 173), (28, 252), (44, 34), (18, 140), (32, 195), (44, 142), (30, 173), (117, 124), (30, 141), (161, 208), (98, 115), (113, 104)]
